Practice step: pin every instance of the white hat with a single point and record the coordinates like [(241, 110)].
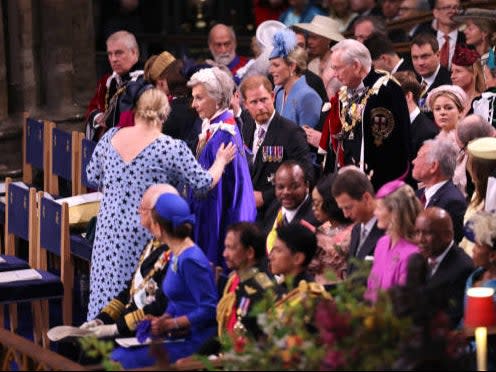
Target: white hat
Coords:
[(484, 148), (322, 26), (266, 30)]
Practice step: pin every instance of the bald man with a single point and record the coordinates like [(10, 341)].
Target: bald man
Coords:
[(449, 265), (143, 295), (222, 45)]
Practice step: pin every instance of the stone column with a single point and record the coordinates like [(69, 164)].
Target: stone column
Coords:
[(56, 54), (23, 77)]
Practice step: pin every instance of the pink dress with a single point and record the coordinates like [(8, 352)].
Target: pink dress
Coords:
[(390, 266)]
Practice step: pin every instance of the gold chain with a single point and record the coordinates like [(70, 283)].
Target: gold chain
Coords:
[(355, 110)]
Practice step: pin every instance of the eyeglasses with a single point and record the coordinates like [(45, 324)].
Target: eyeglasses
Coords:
[(447, 8)]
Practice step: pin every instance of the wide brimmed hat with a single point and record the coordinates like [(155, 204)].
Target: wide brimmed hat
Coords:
[(476, 13), (483, 148), (266, 30), (322, 26)]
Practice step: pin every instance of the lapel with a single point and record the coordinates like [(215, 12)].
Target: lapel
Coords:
[(434, 201), (303, 209), (354, 240), (444, 268), (269, 139), (370, 242)]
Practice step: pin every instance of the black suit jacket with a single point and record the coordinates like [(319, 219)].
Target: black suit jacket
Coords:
[(304, 213), (451, 199), (281, 132), (368, 246), (447, 286), (422, 129)]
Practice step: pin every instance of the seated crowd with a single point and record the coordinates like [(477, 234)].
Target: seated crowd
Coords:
[(249, 178)]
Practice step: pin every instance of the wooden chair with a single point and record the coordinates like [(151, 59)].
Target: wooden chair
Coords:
[(35, 134), (84, 149), (62, 159), (21, 212), (53, 237)]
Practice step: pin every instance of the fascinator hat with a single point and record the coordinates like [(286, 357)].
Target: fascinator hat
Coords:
[(388, 188), (173, 208), (481, 228), (465, 56), (266, 30), (284, 42)]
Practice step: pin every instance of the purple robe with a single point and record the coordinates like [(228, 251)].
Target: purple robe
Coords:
[(231, 200)]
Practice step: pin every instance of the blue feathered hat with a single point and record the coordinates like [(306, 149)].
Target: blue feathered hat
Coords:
[(174, 208), (284, 42)]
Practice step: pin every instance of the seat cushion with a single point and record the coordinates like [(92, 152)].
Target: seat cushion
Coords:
[(12, 263), (49, 286)]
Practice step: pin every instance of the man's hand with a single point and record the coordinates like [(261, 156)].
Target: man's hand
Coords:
[(259, 202), (91, 324), (106, 330)]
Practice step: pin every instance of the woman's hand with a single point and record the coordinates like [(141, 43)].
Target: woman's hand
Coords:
[(161, 325), (227, 153)]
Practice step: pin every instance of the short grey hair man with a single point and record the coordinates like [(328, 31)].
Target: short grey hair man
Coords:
[(352, 50)]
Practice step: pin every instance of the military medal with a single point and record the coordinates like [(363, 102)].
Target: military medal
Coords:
[(239, 328)]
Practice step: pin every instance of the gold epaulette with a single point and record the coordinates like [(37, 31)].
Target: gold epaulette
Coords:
[(132, 319), (114, 308), (263, 280), (304, 290)]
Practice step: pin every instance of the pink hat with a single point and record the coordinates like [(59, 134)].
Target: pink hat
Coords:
[(389, 188)]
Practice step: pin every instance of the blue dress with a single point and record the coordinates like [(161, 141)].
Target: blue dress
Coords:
[(231, 200), (190, 288), (303, 104), (119, 237)]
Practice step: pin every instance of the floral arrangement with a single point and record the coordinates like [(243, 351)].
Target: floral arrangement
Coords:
[(345, 333)]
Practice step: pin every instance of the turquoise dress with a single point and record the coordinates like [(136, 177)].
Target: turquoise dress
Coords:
[(190, 288)]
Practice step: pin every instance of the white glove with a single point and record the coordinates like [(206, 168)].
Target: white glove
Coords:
[(106, 330), (91, 324)]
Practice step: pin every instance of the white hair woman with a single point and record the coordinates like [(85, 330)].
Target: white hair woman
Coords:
[(232, 200)]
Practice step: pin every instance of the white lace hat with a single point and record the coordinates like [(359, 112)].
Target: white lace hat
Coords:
[(266, 30)]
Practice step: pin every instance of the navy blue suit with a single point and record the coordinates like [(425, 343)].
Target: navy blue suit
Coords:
[(451, 199)]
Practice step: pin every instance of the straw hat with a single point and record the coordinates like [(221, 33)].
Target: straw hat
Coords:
[(476, 13), (322, 26), (484, 148), (266, 30)]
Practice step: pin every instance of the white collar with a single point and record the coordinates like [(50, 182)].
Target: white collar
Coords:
[(414, 114), (431, 190), (291, 213), (430, 79), (440, 258), (395, 68)]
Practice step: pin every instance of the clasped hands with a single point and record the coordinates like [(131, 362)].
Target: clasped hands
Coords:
[(166, 325)]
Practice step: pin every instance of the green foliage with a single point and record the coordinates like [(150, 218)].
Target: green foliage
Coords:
[(100, 350)]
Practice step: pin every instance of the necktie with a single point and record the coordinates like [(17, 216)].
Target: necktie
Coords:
[(363, 236), (432, 265), (423, 88), (444, 52), (422, 198), (259, 140)]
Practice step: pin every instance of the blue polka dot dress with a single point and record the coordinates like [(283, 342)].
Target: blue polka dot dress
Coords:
[(119, 237)]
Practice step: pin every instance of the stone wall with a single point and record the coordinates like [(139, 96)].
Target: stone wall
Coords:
[(47, 68)]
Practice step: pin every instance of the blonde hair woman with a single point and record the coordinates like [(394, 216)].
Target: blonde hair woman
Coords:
[(294, 99), (125, 163), (396, 210)]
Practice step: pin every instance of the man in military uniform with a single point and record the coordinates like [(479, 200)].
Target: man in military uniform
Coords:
[(244, 253), (374, 124), (293, 251), (104, 109), (143, 296)]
